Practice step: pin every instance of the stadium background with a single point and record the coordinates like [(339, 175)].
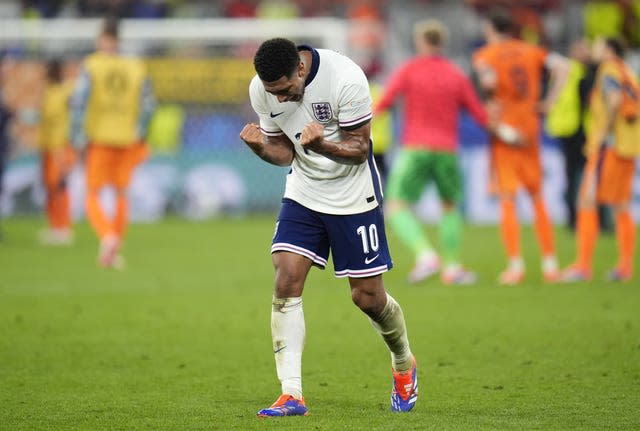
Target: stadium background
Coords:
[(199, 56)]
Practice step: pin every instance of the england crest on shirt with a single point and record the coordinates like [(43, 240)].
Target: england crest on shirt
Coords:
[(322, 111)]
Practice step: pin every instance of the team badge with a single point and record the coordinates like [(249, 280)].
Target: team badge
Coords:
[(322, 111)]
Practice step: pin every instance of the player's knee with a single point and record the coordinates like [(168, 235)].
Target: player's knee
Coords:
[(361, 300), (370, 304), (449, 206), (620, 208), (586, 202), (288, 283)]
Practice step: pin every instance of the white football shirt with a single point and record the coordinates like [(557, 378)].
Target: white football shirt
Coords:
[(337, 96)]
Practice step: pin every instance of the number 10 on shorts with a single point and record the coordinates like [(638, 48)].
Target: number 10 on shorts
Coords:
[(369, 238)]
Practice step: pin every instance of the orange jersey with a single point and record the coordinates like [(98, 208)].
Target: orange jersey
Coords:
[(518, 67)]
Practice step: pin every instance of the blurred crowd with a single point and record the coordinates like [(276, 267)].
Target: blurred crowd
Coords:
[(608, 17), (198, 8)]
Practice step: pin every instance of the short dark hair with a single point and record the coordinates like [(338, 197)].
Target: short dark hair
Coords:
[(617, 45), (54, 70), (501, 21), (110, 27), (276, 58)]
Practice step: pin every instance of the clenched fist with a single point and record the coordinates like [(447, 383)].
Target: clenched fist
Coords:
[(312, 134), (251, 135)]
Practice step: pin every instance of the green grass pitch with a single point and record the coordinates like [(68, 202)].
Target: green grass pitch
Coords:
[(180, 340)]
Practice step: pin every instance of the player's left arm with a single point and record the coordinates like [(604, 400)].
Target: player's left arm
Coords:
[(394, 88), (470, 101), (612, 94), (78, 108), (147, 107), (352, 150), (354, 118), (484, 76), (558, 66)]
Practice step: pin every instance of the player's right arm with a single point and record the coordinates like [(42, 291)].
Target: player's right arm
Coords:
[(277, 150), (558, 67), (394, 87), (148, 105), (485, 74), (266, 140), (610, 87), (78, 102)]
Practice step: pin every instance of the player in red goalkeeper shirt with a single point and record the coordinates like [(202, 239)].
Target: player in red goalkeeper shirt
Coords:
[(434, 92)]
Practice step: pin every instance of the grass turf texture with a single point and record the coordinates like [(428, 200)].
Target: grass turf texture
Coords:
[(180, 339)]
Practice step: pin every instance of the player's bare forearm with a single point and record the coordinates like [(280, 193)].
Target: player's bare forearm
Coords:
[(613, 100), (353, 150), (277, 150), (485, 79), (559, 75)]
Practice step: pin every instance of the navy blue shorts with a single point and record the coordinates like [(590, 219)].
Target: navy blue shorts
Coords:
[(357, 241)]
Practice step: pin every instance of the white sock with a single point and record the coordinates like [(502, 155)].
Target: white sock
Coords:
[(452, 267), (391, 326), (516, 264), (287, 333), (427, 256), (549, 263)]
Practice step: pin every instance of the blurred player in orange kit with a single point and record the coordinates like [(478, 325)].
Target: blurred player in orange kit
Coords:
[(112, 105), (613, 143), (58, 156), (510, 73)]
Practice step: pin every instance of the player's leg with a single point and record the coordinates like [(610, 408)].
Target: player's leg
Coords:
[(288, 332), (300, 241), (616, 189), (100, 166), (47, 235), (361, 253), (49, 185), (505, 169), (510, 235), (128, 160), (386, 316), (123, 178), (530, 171), (122, 162), (57, 201), (97, 175), (388, 320), (406, 183), (287, 319), (626, 241), (587, 225), (448, 181), (61, 215), (62, 207), (544, 234)]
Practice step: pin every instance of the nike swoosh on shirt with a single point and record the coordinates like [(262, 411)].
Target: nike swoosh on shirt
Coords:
[(272, 115), (367, 261), (280, 349)]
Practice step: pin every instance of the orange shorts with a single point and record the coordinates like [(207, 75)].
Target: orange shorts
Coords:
[(609, 178), (56, 165), (515, 167), (108, 165)]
